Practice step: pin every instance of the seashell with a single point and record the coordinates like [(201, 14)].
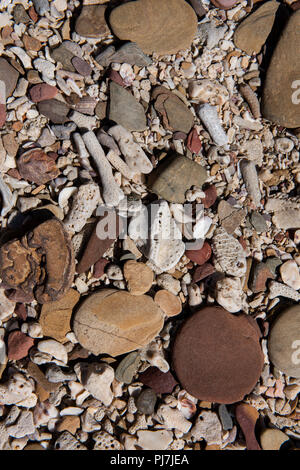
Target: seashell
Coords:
[(206, 91), (187, 404), (252, 100), (229, 253)]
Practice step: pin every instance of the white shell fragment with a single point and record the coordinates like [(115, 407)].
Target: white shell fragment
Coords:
[(210, 118), (135, 157), (85, 202), (112, 193), (8, 198), (229, 253), (53, 348)]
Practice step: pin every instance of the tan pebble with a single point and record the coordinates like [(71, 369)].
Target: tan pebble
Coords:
[(55, 316), (272, 439), (69, 423), (34, 446), (139, 277), (168, 302), (38, 189), (290, 274), (136, 320)]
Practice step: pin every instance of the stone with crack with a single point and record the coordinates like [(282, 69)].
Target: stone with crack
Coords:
[(135, 321), (38, 266)]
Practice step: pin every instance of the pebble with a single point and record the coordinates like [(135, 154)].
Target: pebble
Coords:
[(18, 345), (129, 53), (260, 273), (225, 417), (160, 382), (97, 246), (201, 256), (146, 401), (55, 316), (36, 166), (41, 6), (81, 66), (252, 32), (247, 416), (128, 368), (258, 222), (42, 92), (53, 348), (9, 75), (170, 24), (56, 111), (24, 425), (230, 217), (97, 379), (202, 272), (283, 342), (272, 439), (64, 131), (164, 180), (125, 110), (175, 114), (290, 274), (279, 103), (91, 22), (139, 277), (69, 423), (210, 363), (169, 303), (224, 4), (136, 321)]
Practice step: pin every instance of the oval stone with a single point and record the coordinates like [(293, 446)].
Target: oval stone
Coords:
[(116, 322), (284, 342), (217, 356)]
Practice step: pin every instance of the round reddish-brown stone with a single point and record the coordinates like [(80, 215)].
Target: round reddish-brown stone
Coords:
[(217, 356), (200, 256)]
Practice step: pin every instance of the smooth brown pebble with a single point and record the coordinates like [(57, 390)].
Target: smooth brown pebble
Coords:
[(272, 439), (168, 302), (139, 277)]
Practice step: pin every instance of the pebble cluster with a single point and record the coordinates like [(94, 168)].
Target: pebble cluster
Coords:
[(182, 334)]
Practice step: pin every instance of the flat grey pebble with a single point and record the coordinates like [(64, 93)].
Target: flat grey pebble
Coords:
[(146, 401)]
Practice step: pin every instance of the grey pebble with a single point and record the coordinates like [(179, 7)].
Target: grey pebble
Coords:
[(63, 131), (258, 222), (225, 418), (129, 53), (146, 401), (128, 367), (272, 264), (41, 6), (55, 374)]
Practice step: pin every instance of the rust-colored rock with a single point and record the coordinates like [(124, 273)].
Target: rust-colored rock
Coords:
[(40, 265), (210, 196), (18, 345), (42, 92), (247, 417), (194, 142), (217, 356), (37, 167), (56, 316), (69, 423), (201, 272), (35, 372), (200, 256), (99, 267), (21, 311), (160, 382)]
